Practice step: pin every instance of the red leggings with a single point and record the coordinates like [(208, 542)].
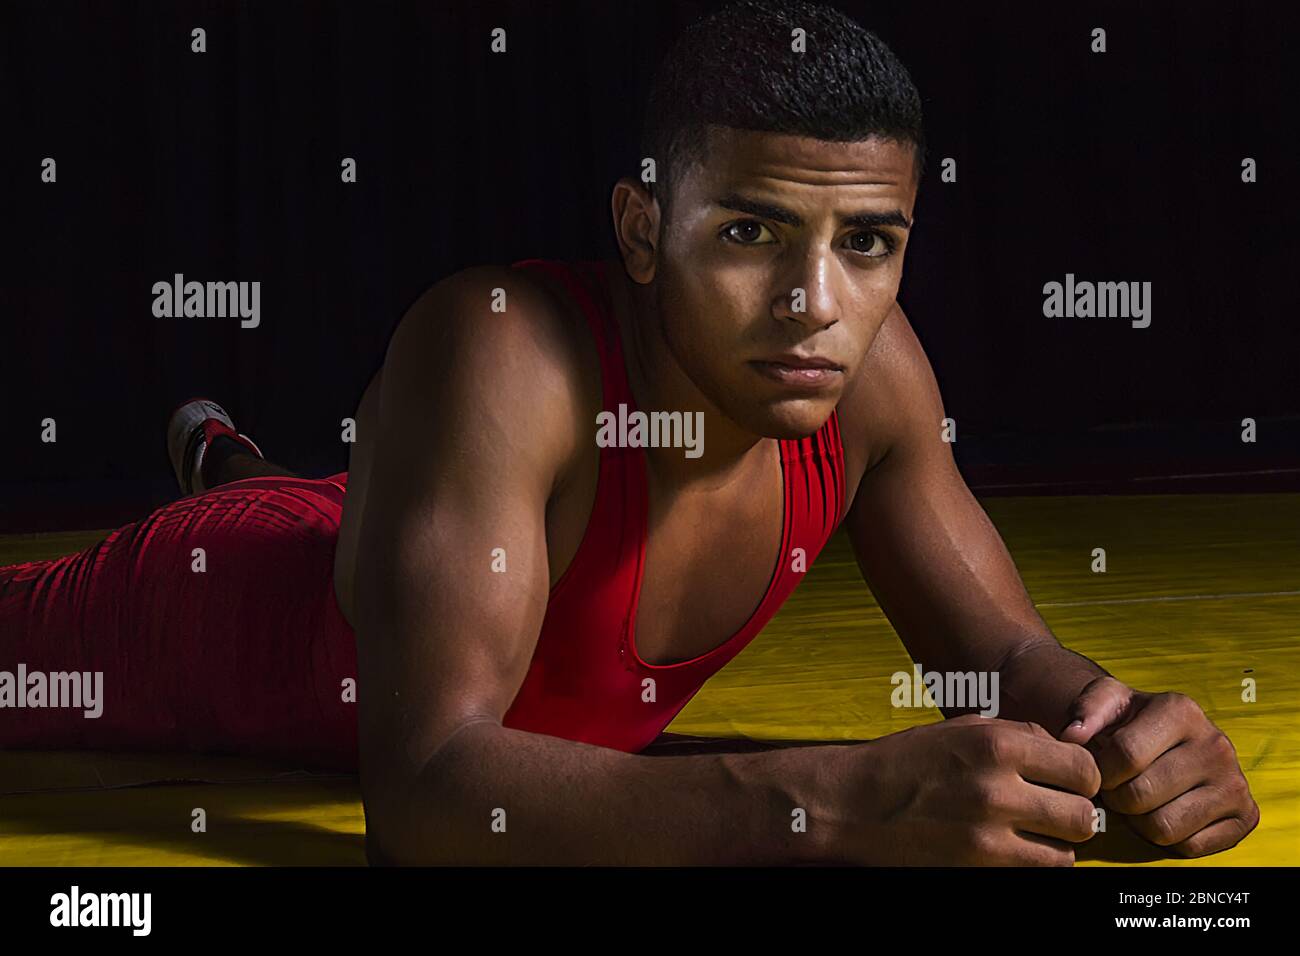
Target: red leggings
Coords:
[(249, 656)]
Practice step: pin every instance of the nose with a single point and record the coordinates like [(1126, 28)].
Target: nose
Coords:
[(810, 301)]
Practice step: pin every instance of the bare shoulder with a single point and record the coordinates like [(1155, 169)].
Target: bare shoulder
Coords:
[(499, 343), (504, 312), (483, 380), (893, 395)]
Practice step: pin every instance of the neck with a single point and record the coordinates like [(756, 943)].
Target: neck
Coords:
[(659, 383)]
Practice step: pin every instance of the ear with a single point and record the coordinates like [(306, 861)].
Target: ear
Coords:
[(636, 227)]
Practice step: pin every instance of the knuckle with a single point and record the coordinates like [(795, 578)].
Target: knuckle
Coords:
[(1036, 729), (1238, 834), (986, 794), (981, 844), (1124, 750), (999, 747), (1161, 830), (1251, 818), (1193, 846), (1136, 794), (1238, 788), (1223, 747), (1120, 800)]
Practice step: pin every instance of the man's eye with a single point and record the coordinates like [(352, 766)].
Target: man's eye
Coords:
[(872, 245), (747, 232)]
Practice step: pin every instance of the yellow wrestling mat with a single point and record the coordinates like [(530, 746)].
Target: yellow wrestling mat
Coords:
[(1200, 591)]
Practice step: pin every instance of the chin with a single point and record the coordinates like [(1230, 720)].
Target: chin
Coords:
[(793, 420)]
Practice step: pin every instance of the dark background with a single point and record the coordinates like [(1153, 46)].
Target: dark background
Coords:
[(1123, 166)]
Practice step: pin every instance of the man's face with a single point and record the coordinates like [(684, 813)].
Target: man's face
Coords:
[(764, 216)]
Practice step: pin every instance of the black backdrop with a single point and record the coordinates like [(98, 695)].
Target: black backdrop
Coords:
[(1122, 166)]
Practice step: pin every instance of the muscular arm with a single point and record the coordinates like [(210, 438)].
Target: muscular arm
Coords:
[(951, 590), (933, 559), (476, 421)]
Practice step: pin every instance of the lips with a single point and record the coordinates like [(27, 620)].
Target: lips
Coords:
[(792, 360), (800, 371)]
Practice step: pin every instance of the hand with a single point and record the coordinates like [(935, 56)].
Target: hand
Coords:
[(1165, 766), (970, 790)]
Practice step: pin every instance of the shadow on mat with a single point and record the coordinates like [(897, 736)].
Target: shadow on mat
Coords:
[(1120, 844), (159, 818)]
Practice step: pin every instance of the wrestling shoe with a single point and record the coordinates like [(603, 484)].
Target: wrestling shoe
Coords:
[(192, 427)]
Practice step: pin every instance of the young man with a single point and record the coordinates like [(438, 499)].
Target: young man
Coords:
[(530, 606)]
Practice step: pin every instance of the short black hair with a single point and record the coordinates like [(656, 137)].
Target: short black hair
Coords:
[(736, 68)]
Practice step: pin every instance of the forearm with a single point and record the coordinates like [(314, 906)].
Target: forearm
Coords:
[(1040, 680), (494, 795)]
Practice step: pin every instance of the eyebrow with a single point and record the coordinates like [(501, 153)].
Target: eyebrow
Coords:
[(738, 203)]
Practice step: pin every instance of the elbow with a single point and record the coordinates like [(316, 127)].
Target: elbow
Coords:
[(419, 817), (389, 835), (402, 832)]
